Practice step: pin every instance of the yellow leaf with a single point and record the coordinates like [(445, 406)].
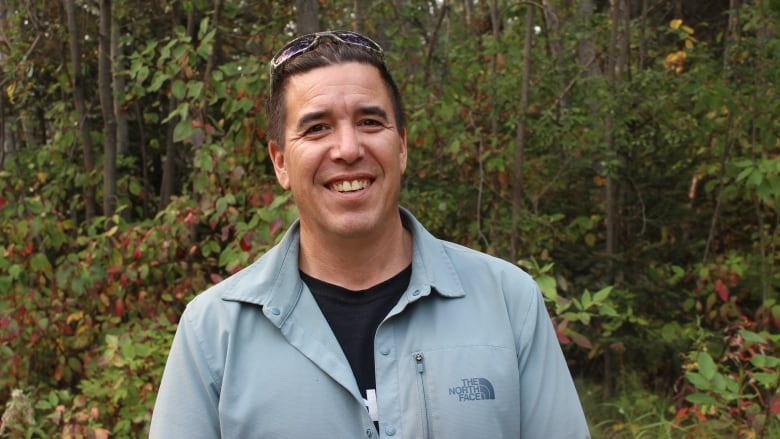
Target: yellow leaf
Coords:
[(688, 44), (676, 23), (9, 90), (687, 29), (75, 317), (675, 60)]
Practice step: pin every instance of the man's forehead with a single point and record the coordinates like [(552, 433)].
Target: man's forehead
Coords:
[(348, 73), (359, 85)]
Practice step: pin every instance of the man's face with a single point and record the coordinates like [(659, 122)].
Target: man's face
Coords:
[(343, 156)]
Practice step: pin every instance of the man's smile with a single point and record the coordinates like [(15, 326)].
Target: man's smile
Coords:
[(350, 185)]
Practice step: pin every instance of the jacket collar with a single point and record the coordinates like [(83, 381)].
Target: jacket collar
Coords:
[(273, 281)]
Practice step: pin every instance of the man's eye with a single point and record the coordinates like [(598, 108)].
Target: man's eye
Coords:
[(370, 122), (315, 128)]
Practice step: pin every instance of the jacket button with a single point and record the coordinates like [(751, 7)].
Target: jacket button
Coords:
[(384, 351), (369, 432), (275, 311), (416, 293), (390, 430)]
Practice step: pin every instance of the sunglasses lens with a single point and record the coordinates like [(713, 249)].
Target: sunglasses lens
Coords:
[(358, 40), (306, 42), (292, 49)]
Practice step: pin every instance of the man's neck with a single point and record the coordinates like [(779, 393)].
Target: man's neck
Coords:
[(356, 263)]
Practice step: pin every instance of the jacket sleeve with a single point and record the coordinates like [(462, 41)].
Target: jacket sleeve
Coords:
[(550, 406), (187, 402)]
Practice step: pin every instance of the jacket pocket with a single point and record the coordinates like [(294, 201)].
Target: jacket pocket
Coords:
[(468, 391), (419, 361)]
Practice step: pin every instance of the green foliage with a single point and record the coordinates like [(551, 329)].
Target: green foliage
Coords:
[(88, 307), (731, 384)]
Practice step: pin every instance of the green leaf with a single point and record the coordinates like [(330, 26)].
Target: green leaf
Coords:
[(135, 187), (222, 204), (707, 366), (203, 28), (697, 380), (15, 270), (157, 81), (183, 131), (227, 255), (767, 379), (586, 300), (602, 294), (606, 310), (548, 286), (40, 262), (761, 361), (752, 337), (179, 89), (700, 399), (195, 89)]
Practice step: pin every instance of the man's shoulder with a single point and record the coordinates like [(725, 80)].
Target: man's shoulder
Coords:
[(461, 255), (242, 284)]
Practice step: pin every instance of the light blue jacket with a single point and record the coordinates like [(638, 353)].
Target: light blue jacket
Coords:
[(468, 352)]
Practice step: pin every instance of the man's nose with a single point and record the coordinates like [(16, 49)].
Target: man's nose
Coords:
[(348, 145)]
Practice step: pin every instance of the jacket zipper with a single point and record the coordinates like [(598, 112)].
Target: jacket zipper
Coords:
[(419, 360)]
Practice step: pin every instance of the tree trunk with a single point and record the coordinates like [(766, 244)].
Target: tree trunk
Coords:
[(517, 180), (361, 9), (555, 49), (643, 37), (107, 105), (617, 67), (81, 107), (433, 42), (307, 15), (118, 68), (139, 117), (169, 163), (731, 35)]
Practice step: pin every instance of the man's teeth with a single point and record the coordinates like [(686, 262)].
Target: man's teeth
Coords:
[(347, 186)]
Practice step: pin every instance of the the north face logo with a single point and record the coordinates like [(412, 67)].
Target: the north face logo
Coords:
[(473, 389)]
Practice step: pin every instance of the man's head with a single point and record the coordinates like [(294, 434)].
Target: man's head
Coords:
[(322, 49), (337, 141)]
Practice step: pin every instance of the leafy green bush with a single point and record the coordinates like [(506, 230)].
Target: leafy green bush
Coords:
[(731, 385)]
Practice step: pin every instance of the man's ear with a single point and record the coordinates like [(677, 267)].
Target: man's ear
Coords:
[(280, 165), (403, 152)]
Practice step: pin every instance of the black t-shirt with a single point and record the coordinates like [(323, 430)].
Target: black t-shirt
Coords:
[(354, 317)]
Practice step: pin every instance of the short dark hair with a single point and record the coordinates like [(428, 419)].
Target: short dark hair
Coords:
[(327, 52)]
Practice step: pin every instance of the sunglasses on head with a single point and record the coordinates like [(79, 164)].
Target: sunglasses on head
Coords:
[(308, 42)]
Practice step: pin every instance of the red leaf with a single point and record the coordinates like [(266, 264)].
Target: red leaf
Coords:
[(275, 226), (268, 197), (189, 220), (722, 290), (581, 340), (246, 242), (774, 407), (119, 308)]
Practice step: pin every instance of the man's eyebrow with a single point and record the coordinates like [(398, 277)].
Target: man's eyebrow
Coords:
[(373, 110), (307, 118), (368, 110)]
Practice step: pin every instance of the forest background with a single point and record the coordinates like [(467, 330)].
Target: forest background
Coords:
[(624, 152)]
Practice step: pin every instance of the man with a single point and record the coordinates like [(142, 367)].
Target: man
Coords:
[(359, 323)]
